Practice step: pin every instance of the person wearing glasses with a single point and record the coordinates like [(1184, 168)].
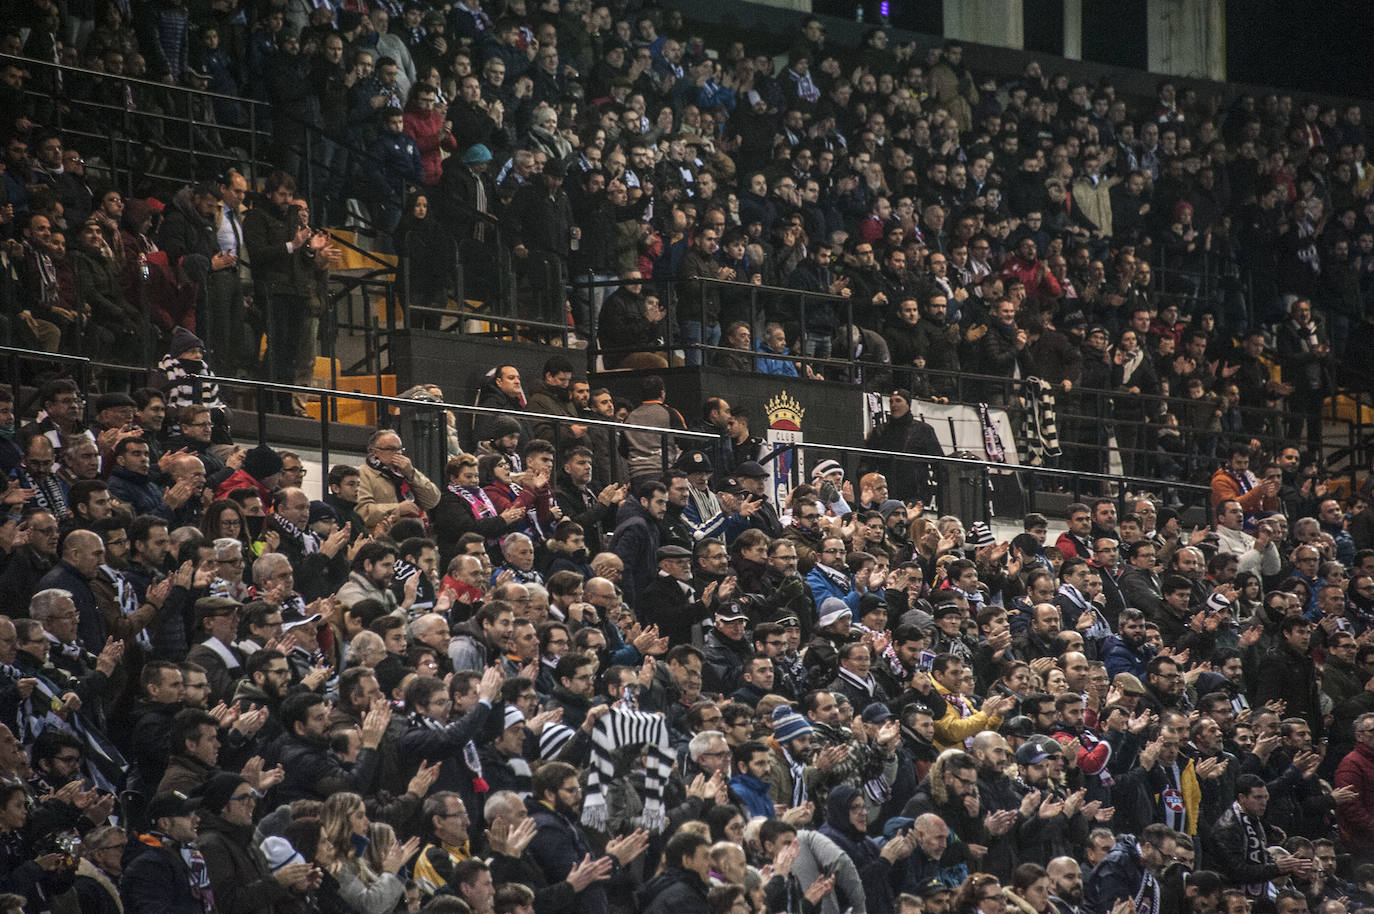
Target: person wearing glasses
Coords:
[(98, 871), (389, 485), (1355, 819)]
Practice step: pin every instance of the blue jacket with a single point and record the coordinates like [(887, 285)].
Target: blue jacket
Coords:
[(398, 161), (1119, 657), (754, 794), (822, 587), (139, 492), (774, 363), (1117, 876)]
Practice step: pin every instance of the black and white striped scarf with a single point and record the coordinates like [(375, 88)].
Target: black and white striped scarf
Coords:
[(1039, 425), (615, 731)]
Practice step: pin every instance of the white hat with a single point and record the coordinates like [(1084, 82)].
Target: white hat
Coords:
[(514, 716), (279, 852)]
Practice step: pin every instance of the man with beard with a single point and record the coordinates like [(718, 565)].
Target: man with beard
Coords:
[(282, 249), (480, 641), (374, 568), (673, 528), (560, 848), (1127, 651), (937, 342), (594, 511), (997, 791), (1063, 818), (1066, 885), (805, 533)]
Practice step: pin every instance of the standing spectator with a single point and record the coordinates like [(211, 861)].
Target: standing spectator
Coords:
[(1355, 774), (282, 247), (1305, 354)]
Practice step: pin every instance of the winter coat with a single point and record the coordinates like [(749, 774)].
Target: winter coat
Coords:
[(881, 882), (156, 879), (559, 844), (239, 875), (675, 891), (636, 542), (1356, 819), (1117, 876)]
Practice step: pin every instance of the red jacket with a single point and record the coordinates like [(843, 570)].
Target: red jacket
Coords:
[(242, 480), (1036, 276), (424, 127), (1356, 818)]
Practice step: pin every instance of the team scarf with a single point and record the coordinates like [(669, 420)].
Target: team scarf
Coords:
[(127, 599), (1147, 896), (471, 758), (1256, 852), (102, 762), (477, 500), (198, 871), (839, 578), (797, 769), (1244, 481), (614, 731), (309, 542), (398, 482), (895, 664)]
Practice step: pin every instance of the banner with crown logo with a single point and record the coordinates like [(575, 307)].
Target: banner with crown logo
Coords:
[(784, 427)]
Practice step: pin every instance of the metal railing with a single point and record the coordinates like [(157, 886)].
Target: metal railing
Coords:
[(427, 422), (130, 138)]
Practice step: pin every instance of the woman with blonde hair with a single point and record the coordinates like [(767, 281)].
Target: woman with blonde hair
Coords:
[(371, 889)]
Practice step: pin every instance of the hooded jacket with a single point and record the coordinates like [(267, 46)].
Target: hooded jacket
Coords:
[(880, 880)]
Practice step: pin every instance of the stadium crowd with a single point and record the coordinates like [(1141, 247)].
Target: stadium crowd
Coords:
[(563, 680)]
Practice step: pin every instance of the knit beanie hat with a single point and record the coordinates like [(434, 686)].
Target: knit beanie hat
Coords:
[(788, 724), (279, 852), (183, 339), (261, 462), (215, 793)]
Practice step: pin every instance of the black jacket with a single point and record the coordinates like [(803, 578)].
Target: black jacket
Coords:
[(239, 875), (675, 891), (312, 771)]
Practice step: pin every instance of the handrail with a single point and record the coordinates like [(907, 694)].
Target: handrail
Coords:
[(151, 83)]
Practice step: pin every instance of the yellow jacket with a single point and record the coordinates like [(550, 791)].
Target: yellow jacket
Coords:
[(952, 729)]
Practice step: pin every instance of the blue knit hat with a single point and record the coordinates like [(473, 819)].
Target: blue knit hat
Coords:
[(475, 154), (788, 724)]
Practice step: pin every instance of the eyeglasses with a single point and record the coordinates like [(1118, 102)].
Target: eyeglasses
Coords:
[(389, 450), (244, 798)]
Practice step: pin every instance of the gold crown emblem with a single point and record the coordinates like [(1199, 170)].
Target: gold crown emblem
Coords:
[(784, 408)]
